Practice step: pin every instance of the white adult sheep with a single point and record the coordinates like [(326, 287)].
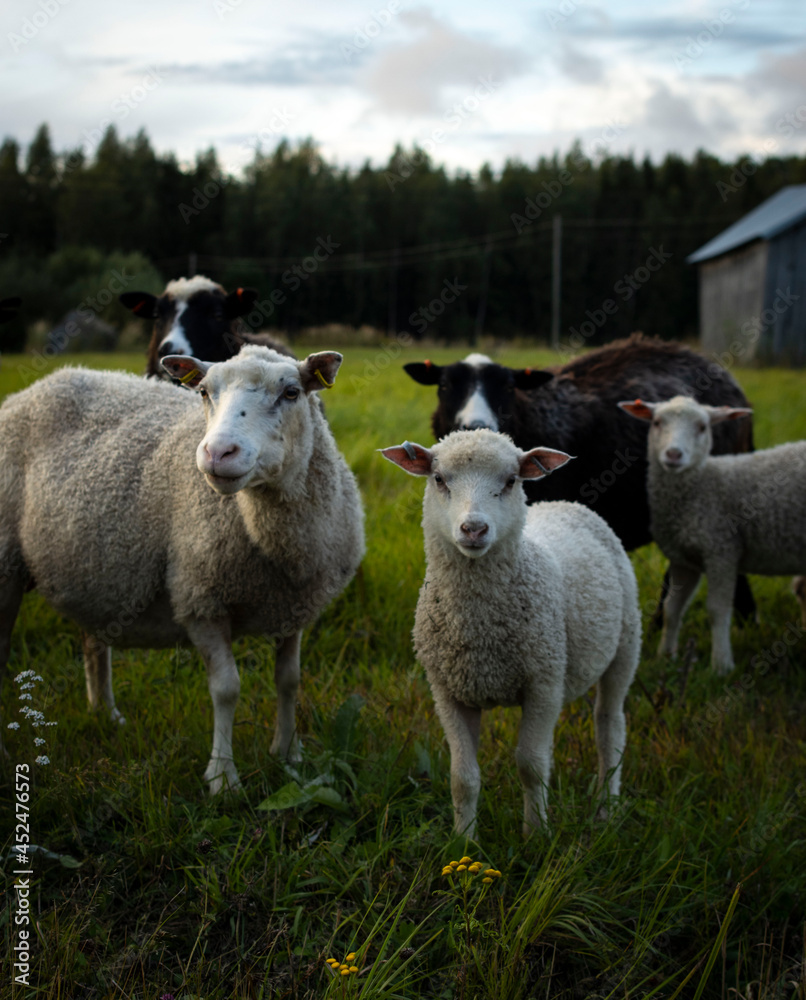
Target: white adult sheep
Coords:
[(104, 508), (718, 514), (519, 606)]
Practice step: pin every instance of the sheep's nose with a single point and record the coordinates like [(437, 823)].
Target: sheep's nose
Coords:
[(474, 530), (221, 453), (474, 425), (167, 348), (674, 454)]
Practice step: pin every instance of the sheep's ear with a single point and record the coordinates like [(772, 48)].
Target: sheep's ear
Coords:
[(720, 413), (142, 304), (639, 409), (187, 371), (318, 371), (412, 458), (530, 378), (424, 372), (239, 302), (541, 462)]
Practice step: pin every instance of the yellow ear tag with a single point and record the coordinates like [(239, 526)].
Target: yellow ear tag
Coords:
[(189, 376), (323, 380)]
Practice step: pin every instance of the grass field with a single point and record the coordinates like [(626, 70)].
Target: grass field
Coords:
[(695, 888)]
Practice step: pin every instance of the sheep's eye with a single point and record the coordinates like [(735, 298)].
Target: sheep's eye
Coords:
[(656, 423), (291, 392), (203, 392), (700, 428), (511, 481), (440, 482)]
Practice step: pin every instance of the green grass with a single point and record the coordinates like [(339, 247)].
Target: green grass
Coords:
[(694, 888)]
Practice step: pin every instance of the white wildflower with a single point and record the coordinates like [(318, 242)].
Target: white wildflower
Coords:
[(42, 760), (26, 697), (25, 675), (38, 741), (13, 725)]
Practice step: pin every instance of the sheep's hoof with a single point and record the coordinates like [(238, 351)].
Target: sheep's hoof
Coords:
[(292, 753), (115, 716), (222, 776), (723, 669)]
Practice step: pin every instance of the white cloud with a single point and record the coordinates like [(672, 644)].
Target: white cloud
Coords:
[(417, 76)]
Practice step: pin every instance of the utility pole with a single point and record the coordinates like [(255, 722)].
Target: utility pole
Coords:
[(481, 311), (556, 282), (391, 323)]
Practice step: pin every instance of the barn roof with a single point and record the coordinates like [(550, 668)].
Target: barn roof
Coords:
[(771, 217)]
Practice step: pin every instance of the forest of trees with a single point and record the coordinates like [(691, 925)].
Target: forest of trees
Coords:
[(372, 246)]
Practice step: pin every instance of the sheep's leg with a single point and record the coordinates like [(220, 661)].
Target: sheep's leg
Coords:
[(286, 679), (656, 621), (608, 714), (721, 584), (534, 754), (461, 725), (212, 639), (11, 591), (98, 671), (682, 584), (744, 603)]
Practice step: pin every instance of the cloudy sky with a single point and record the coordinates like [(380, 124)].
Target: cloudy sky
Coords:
[(471, 81)]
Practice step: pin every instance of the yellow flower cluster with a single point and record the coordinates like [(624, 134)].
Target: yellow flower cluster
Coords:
[(343, 968), (473, 868)]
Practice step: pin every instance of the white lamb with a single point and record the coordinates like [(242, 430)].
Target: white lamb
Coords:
[(106, 507), (520, 606), (718, 514)]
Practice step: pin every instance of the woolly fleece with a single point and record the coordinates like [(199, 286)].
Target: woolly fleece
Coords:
[(550, 609), (101, 496)]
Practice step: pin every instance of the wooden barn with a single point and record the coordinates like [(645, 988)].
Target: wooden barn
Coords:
[(753, 283)]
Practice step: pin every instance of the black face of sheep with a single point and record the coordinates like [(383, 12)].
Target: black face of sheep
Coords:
[(193, 316), (476, 393)]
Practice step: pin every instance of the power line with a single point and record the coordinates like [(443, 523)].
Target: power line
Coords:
[(437, 251)]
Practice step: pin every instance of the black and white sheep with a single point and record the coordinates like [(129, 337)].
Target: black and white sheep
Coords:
[(718, 515), (572, 408), (154, 516), (526, 606), (197, 317)]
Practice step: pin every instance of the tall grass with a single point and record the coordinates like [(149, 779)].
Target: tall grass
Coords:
[(694, 888)]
